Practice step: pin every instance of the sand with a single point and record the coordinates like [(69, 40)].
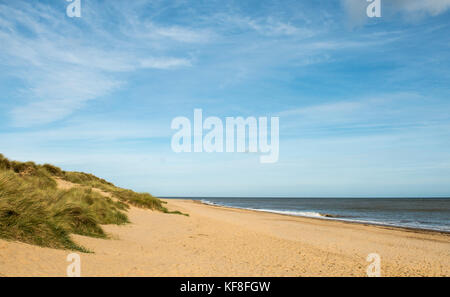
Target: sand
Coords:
[(217, 241)]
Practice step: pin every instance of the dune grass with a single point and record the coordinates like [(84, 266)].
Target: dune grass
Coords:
[(33, 210), (143, 200)]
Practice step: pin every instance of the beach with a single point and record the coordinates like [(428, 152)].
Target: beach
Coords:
[(220, 241)]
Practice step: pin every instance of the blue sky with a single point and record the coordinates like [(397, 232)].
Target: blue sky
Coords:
[(363, 103)]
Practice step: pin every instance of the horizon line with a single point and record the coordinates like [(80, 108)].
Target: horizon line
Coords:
[(257, 197)]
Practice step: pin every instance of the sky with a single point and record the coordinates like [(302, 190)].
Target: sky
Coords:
[(363, 103)]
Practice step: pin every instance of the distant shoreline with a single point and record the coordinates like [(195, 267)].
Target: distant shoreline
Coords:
[(326, 217), (254, 197)]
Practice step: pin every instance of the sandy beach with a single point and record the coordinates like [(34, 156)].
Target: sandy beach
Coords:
[(218, 241)]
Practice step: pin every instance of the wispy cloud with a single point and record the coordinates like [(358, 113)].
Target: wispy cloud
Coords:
[(178, 33), (56, 93), (164, 63), (58, 80), (373, 114), (362, 109), (83, 130), (431, 7), (65, 63), (266, 26)]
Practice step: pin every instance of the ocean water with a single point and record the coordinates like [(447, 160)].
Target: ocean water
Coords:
[(423, 213)]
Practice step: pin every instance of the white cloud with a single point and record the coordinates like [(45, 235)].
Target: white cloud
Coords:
[(179, 33), (164, 63), (63, 67), (432, 7), (388, 111), (267, 26), (272, 27), (57, 93), (84, 130)]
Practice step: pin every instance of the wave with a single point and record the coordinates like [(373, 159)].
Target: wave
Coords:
[(310, 214), (327, 216)]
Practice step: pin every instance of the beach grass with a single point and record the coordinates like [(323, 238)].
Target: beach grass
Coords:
[(35, 211), (143, 200)]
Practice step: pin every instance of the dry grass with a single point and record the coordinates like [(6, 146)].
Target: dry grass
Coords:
[(35, 211)]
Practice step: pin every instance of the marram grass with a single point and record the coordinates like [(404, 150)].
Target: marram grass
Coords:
[(33, 210)]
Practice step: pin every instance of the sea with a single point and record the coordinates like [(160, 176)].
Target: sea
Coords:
[(416, 213)]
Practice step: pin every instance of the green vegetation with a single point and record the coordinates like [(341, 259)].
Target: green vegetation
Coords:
[(143, 200), (35, 211)]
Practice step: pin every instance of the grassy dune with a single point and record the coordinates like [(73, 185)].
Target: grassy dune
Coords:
[(33, 210)]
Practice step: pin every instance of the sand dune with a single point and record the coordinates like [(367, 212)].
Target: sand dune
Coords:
[(216, 241)]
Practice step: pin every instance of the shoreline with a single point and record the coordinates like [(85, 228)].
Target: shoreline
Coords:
[(399, 247), (218, 241), (386, 226)]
